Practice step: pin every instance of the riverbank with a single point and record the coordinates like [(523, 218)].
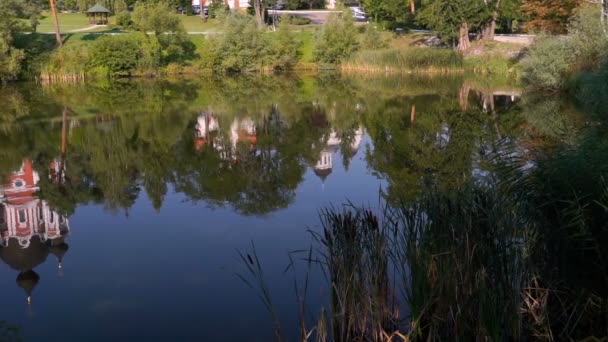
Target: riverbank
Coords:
[(295, 48)]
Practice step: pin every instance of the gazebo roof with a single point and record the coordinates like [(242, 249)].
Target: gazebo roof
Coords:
[(98, 9)]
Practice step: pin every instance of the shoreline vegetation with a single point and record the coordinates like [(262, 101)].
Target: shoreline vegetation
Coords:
[(153, 40), (146, 48)]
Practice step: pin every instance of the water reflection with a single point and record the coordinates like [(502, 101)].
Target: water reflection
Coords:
[(251, 150), (325, 163), (227, 161), (30, 229)]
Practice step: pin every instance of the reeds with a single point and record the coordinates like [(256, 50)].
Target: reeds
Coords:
[(480, 263), (411, 60)]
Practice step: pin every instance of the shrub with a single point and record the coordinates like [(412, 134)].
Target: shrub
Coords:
[(243, 47), (548, 64), (374, 39), (552, 60), (10, 62), (68, 62), (156, 17), (119, 54), (217, 9), (123, 19), (293, 20), (284, 48), (151, 55), (586, 36), (337, 40), (240, 46)]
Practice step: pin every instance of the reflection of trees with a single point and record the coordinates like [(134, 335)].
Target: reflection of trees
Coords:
[(255, 178), (436, 145), (122, 137), (551, 119)]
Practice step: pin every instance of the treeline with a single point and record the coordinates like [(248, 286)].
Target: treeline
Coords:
[(116, 6)]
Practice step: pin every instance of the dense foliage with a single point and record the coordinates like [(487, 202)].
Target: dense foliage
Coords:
[(156, 17), (243, 46), (553, 61), (548, 15), (337, 40), (118, 55), (11, 11)]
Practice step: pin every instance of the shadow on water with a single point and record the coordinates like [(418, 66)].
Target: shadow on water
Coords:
[(9, 333)]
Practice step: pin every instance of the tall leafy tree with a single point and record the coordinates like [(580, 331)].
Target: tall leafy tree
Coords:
[(391, 10), (496, 9), (11, 14), (548, 15), (454, 19), (156, 17)]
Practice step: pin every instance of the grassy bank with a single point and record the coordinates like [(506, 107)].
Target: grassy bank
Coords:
[(237, 44), (406, 60), (45, 61)]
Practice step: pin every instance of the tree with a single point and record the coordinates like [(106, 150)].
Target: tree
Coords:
[(548, 15), (494, 9), (156, 17), (120, 6), (337, 41), (454, 19), (56, 23), (604, 16), (390, 10), (259, 9), (11, 11)]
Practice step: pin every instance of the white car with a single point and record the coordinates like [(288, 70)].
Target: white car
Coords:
[(358, 13)]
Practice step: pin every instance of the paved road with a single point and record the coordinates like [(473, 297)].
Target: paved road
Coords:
[(316, 17)]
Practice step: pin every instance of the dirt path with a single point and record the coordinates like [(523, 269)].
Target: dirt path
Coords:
[(88, 28)]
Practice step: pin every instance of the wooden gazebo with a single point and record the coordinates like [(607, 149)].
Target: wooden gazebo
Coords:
[(98, 15)]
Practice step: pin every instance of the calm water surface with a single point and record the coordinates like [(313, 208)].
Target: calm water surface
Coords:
[(124, 205)]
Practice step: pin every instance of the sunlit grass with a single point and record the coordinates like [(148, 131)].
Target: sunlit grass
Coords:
[(194, 23), (67, 22)]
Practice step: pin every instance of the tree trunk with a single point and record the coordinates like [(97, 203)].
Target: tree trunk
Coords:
[(56, 23), (412, 115), (259, 12), (202, 12), (604, 17), (488, 31), (463, 96), (464, 43), (413, 6)]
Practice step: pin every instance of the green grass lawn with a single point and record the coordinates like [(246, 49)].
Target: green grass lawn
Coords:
[(67, 22), (306, 47), (194, 23), (77, 21)]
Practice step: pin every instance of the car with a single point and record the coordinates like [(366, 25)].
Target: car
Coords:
[(358, 14), (357, 10), (196, 9)]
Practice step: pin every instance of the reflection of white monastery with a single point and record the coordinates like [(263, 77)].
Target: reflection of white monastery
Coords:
[(29, 229), (232, 4), (207, 131), (325, 164)]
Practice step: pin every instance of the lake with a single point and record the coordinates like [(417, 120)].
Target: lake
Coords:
[(126, 205)]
